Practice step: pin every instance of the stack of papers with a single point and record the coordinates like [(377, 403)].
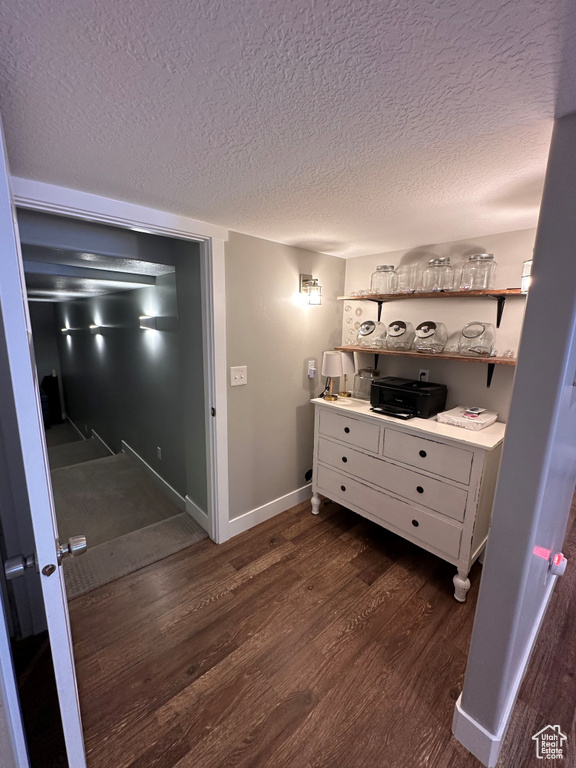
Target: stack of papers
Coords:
[(461, 417)]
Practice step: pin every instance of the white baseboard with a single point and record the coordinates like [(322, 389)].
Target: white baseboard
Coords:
[(97, 437), (470, 733), (82, 435), (200, 516), (159, 481), (266, 511)]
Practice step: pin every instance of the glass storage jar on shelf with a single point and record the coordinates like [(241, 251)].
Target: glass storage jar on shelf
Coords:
[(438, 276), (476, 339), (431, 337), (400, 336), (363, 382), (479, 273), (371, 335), (384, 280)]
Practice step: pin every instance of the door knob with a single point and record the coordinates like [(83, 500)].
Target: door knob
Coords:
[(18, 565), (76, 546)]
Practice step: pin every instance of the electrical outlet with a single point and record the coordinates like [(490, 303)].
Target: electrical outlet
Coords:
[(238, 375), (159, 452), (423, 374), (311, 369)]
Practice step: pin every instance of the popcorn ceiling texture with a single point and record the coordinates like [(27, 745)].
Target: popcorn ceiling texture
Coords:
[(344, 126)]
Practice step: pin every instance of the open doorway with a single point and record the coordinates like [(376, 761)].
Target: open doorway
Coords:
[(117, 331)]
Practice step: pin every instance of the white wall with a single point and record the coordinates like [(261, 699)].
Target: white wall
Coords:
[(466, 382), (270, 421)]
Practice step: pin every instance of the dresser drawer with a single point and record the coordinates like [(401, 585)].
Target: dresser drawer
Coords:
[(443, 460), (422, 527), (351, 431), (423, 490)]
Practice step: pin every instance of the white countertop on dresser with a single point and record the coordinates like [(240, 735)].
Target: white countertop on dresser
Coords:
[(487, 438)]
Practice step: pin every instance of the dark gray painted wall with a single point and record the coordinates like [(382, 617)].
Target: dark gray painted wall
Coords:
[(125, 383), (43, 321), (189, 298)]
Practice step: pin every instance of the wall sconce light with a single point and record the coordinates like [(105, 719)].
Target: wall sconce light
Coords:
[(331, 368), (148, 323), (310, 287), (66, 330), (95, 329)]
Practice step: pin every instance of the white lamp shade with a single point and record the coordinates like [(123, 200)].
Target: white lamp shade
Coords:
[(348, 363), (332, 364)]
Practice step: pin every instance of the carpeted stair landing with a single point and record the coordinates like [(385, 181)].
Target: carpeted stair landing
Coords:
[(77, 452), (128, 522)]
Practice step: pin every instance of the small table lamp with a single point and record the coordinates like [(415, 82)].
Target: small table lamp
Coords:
[(331, 368), (348, 369)]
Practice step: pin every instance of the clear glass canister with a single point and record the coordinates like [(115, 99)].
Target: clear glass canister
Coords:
[(408, 277), (384, 280), (371, 334), (431, 337), (479, 273), (438, 275), (363, 382), (476, 339), (400, 335)]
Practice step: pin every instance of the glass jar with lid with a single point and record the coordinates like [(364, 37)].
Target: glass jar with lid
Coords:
[(384, 280), (400, 335), (476, 339), (363, 382), (479, 272), (438, 275), (431, 337)]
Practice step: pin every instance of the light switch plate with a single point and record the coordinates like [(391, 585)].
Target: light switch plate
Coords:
[(238, 375)]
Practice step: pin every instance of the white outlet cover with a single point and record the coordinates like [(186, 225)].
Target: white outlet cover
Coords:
[(238, 375)]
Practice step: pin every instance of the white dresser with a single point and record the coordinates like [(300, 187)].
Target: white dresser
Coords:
[(428, 482)]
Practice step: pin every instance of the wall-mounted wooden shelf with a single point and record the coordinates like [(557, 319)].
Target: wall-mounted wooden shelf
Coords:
[(500, 295), (429, 356), (493, 294), (489, 361)]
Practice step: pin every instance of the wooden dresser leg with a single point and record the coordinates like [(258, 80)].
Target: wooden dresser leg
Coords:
[(315, 504), (461, 586)]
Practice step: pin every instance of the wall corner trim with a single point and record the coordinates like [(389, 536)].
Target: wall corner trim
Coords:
[(157, 479), (200, 516), (266, 511), (469, 732), (477, 740)]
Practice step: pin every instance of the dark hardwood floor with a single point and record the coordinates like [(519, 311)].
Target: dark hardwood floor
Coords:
[(307, 642)]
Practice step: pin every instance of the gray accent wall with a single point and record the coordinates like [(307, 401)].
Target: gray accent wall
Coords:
[(125, 383), (45, 340), (271, 420)]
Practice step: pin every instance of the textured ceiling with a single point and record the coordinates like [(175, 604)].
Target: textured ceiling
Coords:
[(345, 126)]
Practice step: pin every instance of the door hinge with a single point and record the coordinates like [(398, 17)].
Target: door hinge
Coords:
[(213, 411)]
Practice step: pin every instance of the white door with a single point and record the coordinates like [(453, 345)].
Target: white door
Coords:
[(537, 473), (16, 329)]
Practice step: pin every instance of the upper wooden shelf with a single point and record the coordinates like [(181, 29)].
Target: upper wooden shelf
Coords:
[(500, 293)]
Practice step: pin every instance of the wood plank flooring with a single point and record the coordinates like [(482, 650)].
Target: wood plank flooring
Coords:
[(309, 642)]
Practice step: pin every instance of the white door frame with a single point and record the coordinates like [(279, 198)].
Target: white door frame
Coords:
[(49, 198)]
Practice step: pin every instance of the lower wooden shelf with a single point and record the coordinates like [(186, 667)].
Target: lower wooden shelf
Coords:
[(489, 361), (426, 355)]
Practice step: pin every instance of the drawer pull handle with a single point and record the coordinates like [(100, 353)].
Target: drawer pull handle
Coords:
[(342, 487), (415, 523), (423, 454), (344, 459), (347, 430), (419, 489)]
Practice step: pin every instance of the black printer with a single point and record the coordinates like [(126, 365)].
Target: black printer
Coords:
[(407, 398)]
